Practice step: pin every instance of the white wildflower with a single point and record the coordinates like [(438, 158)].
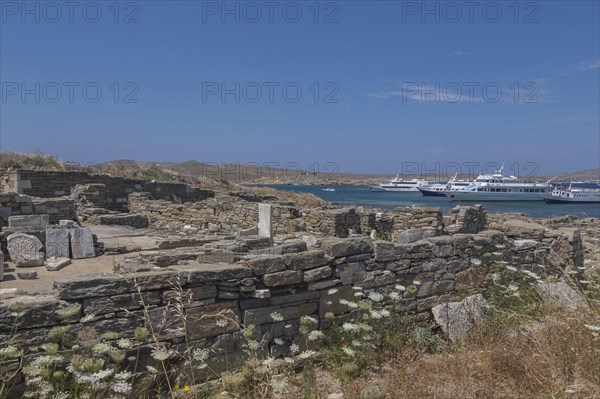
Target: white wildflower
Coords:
[(222, 323), (278, 341), (102, 348), (358, 294), (416, 282), (120, 387), (400, 287), (332, 291), (350, 327), (384, 313), (277, 316), (394, 295), (375, 314), (288, 360), (315, 335), (348, 351), (329, 303), (253, 345), (294, 348), (200, 354), (124, 343), (123, 375), (161, 354), (152, 370), (357, 288), (375, 296)]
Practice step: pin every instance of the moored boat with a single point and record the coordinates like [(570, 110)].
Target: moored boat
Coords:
[(572, 195), (398, 184), (497, 187)]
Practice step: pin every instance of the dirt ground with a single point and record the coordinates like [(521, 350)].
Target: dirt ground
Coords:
[(111, 236)]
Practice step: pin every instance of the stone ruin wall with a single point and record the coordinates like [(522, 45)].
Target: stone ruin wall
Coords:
[(229, 212), (49, 184), (296, 282)]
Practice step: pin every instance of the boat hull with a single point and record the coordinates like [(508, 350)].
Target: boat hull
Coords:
[(488, 196), (428, 193), (569, 201)]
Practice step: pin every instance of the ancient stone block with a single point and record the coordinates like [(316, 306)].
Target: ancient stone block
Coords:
[(295, 312), (410, 235), (92, 286), (24, 250), (457, 318), (265, 214), (82, 243), (262, 315), (290, 247), (57, 242), (347, 247), (28, 222), (199, 273), (319, 273), (351, 273), (305, 260), (282, 278), (330, 300), (264, 264), (27, 274), (384, 251), (36, 311), (212, 320), (291, 298), (54, 264)]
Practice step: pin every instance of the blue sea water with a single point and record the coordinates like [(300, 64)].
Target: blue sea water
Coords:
[(362, 195)]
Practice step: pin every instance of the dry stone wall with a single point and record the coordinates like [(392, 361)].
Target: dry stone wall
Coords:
[(48, 184), (274, 289), (13, 204), (230, 212)]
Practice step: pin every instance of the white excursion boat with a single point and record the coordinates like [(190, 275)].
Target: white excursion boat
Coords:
[(439, 190), (573, 196), (397, 184), (328, 189), (497, 187)]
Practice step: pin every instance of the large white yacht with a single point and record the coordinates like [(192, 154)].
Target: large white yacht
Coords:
[(497, 187), (572, 195), (439, 190), (398, 184)]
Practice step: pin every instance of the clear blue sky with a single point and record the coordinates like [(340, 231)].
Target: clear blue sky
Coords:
[(388, 76)]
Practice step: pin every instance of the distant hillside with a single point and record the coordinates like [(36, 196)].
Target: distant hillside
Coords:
[(585, 175), (226, 175)]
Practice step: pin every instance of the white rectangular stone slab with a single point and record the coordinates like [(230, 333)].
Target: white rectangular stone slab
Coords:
[(55, 264), (265, 214), (82, 243), (57, 242), (28, 222)]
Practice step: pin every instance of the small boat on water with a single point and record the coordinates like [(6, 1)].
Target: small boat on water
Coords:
[(328, 189), (398, 184), (439, 190), (572, 195)]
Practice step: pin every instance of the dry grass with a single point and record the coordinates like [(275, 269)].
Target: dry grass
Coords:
[(556, 358)]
